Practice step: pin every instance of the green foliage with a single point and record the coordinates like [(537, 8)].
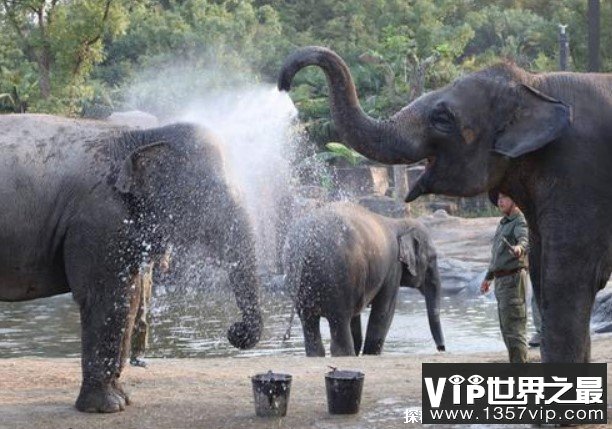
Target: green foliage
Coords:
[(59, 42), (198, 40), (338, 150), (127, 53)]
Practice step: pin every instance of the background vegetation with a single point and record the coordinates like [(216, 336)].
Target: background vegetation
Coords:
[(91, 56)]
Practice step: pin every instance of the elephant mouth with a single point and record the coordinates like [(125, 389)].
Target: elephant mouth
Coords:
[(421, 185), (429, 163)]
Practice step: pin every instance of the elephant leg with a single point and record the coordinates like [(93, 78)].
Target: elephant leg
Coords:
[(106, 332), (312, 336), (567, 295), (356, 331), (381, 316), (341, 337), (108, 304)]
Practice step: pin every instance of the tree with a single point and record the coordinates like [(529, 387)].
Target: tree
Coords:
[(62, 38), (56, 54), (209, 44)]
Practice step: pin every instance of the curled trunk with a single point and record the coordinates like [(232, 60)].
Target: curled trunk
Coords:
[(379, 140)]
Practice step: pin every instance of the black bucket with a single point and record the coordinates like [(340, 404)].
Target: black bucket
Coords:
[(344, 391), (271, 393)]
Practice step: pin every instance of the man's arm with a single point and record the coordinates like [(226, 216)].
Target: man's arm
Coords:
[(521, 234), (489, 275)]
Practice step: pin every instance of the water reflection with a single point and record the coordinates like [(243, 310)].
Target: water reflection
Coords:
[(194, 324)]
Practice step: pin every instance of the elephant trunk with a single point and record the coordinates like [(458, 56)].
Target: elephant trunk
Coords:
[(245, 333), (242, 263), (431, 291), (378, 140)]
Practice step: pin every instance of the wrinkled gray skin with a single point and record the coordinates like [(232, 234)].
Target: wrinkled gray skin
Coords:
[(543, 139), (341, 258), (84, 204)]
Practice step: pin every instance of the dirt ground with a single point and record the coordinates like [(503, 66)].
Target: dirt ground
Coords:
[(216, 393)]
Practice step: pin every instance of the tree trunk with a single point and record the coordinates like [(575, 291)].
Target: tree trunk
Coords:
[(401, 185), (44, 65), (594, 26), (44, 56)]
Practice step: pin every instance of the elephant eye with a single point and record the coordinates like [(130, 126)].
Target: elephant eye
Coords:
[(442, 120)]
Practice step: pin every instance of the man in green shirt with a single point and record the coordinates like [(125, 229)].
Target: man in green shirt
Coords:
[(144, 281), (508, 268)]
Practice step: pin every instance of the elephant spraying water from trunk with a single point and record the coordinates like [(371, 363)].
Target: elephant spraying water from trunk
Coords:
[(88, 204), (543, 139)]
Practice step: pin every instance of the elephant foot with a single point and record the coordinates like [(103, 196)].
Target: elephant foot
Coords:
[(120, 390), (102, 399)]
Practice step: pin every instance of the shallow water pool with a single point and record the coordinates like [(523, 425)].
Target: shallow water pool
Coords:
[(194, 324)]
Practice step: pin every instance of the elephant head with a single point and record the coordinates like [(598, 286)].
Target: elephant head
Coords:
[(420, 271), (174, 182), (468, 131)]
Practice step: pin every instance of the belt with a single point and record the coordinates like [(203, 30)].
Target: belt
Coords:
[(504, 273)]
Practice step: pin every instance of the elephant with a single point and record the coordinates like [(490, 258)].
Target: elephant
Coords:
[(543, 139), (341, 258), (85, 204)]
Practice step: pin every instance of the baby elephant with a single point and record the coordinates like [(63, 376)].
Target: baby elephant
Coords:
[(341, 258)]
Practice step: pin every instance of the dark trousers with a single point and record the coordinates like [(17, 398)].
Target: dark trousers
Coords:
[(512, 309)]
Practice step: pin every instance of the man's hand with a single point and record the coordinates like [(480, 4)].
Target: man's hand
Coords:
[(485, 286), (164, 266), (517, 251)]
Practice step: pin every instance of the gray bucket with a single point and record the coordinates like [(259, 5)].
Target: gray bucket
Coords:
[(271, 394), (344, 391)]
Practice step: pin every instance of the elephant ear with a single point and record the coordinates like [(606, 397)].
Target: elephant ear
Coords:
[(537, 121), (132, 171), (408, 248)]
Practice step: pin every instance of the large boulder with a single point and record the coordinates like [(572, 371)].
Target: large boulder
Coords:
[(384, 206), (601, 316), (460, 277), (361, 180)]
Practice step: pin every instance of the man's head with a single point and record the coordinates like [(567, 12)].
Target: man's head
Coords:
[(505, 204)]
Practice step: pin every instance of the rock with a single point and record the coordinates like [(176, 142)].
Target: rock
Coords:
[(361, 180), (447, 206), (460, 277), (440, 214), (601, 316), (385, 206)]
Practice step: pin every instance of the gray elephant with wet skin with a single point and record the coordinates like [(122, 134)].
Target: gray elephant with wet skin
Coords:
[(543, 139), (341, 258), (85, 204)]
